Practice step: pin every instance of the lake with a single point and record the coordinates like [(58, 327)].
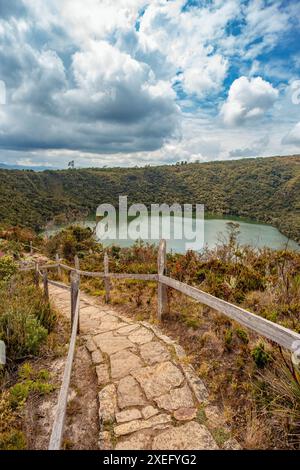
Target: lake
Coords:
[(215, 229)]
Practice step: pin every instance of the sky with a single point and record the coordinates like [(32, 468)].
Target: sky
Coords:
[(134, 82)]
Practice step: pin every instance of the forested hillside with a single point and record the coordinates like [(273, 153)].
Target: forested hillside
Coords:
[(265, 189)]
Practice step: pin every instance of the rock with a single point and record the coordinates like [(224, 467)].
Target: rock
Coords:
[(107, 404), (88, 310), (176, 398), (141, 336), (123, 362), (195, 383), (232, 444), (180, 352), (128, 415), (140, 440), (137, 425), (185, 414), (110, 344), (97, 357), (149, 411), (108, 325), (125, 330), (120, 326), (129, 393), (159, 379), (154, 352), (105, 441), (158, 333), (190, 436), (90, 345), (214, 416), (102, 374)]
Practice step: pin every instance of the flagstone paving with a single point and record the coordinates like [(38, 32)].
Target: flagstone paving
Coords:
[(149, 396)]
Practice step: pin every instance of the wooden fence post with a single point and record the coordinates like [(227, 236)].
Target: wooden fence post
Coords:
[(75, 281), (45, 283), (57, 259), (36, 274), (106, 278), (162, 298), (76, 261)]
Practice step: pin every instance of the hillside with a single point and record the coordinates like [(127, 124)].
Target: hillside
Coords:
[(265, 189)]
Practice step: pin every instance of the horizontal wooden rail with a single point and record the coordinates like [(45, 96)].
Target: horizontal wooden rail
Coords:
[(59, 284), (274, 332), (44, 266), (142, 277), (138, 277), (58, 425)]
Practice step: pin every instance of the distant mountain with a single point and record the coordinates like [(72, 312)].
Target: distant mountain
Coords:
[(5, 166), (264, 189)]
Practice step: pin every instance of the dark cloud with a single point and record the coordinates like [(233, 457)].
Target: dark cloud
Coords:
[(253, 151), (54, 103)]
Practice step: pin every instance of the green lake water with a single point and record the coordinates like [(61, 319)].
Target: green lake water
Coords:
[(215, 232)]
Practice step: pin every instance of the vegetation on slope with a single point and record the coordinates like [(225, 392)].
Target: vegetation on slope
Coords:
[(265, 189), (252, 380), (26, 325)]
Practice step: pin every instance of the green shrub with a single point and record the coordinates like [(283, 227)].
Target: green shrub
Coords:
[(31, 381), (228, 339), (12, 440), (19, 394), (22, 333), (242, 335), (260, 356), (7, 268)]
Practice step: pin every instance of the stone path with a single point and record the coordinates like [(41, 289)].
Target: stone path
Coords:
[(149, 395)]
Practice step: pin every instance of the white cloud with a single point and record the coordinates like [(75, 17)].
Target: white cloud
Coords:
[(248, 99), (205, 76), (293, 136), (83, 80)]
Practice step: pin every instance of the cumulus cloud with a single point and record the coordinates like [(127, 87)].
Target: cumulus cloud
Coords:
[(248, 99), (144, 79)]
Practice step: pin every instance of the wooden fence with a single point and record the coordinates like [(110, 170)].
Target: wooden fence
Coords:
[(282, 336)]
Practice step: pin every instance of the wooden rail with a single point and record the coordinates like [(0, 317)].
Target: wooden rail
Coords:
[(60, 414), (284, 337), (273, 331)]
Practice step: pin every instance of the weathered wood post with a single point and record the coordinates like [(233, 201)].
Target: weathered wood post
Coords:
[(45, 283), (76, 262), (36, 274), (57, 259), (106, 278), (162, 298), (75, 281)]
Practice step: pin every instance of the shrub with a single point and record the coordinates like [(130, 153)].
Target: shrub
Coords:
[(260, 356), (242, 335), (12, 440), (12, 402), (228, 339), (22, 333), (7, 268)]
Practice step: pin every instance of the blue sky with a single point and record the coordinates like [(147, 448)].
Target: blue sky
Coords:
[(132, 82)]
